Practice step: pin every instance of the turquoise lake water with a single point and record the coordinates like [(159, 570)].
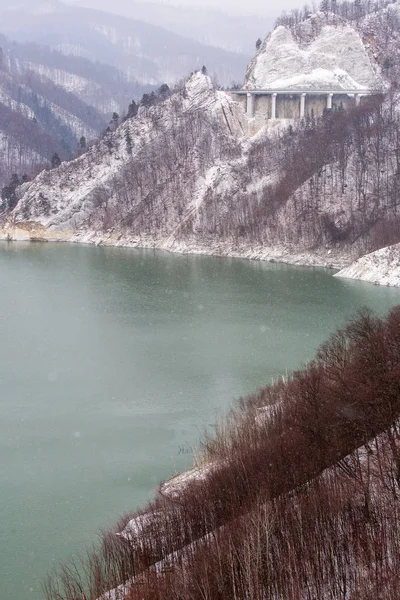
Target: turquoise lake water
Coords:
[(114, 361)]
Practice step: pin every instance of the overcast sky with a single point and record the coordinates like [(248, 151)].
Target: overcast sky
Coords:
[(269, 8)]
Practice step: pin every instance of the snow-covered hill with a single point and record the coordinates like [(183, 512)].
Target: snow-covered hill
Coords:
[(185, 174), (176, 146), (322, 53), (99, 85)]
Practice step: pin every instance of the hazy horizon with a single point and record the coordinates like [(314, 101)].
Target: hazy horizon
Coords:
[(233, 7)]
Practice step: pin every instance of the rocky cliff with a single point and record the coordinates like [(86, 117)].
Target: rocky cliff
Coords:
[(324, 52)]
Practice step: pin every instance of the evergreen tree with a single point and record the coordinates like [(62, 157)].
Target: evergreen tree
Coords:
[(258, 43), (357, 9), (324, 6), (8, 194), (148, 99), (82, 143), (55, 161), (163, 90), (14, 180), (132, 110), (204, 70), (128, 141)]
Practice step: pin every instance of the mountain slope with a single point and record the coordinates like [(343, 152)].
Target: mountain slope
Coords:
[(101, 86), (145, 171), (211, 27), (184, 174), (146, 53), (297, 497), (38, 119)]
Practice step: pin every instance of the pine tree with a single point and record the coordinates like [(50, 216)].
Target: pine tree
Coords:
[(147, 99), (128, 141), (82, 143), (55, 161), (132, 110), (204, 70), (8, 193), (258, 43), (14, 180), (324, 6), (163, 91)]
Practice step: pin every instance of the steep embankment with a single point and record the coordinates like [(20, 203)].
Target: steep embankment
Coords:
[(301, 501)]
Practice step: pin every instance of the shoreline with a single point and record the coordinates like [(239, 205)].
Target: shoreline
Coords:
[(322, 258), (381, 267)]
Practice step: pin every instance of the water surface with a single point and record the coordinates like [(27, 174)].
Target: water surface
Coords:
[(112, 363)]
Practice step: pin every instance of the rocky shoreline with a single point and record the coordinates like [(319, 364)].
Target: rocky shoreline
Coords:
[(381, 267), (326, 258)]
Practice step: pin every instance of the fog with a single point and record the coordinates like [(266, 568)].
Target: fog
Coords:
[(266, 8)]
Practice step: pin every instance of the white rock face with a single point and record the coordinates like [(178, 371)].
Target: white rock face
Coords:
[(381, 267), (333, 60)]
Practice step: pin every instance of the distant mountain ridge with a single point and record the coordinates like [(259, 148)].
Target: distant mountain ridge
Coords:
[(209, 26), (145, 53), (102, 86), (37, 117)]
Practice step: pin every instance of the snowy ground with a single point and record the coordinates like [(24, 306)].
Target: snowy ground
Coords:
[(381, 267)]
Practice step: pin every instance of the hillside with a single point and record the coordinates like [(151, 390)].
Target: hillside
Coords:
[(186, 175), (147, 54), (101, 86), (38, 118), (299, 499), (48, 101)]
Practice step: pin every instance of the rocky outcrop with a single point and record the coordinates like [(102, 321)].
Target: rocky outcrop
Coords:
[(324, 53), (381, 267)]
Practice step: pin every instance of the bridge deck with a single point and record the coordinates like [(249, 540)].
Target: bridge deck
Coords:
[(264, 92)]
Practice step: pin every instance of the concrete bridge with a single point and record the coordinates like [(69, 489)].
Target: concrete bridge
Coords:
[(294, 103)]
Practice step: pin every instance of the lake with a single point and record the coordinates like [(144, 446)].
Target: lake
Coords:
[(112, 364)]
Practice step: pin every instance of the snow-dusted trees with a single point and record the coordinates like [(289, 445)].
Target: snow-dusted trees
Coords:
[(300, 498)]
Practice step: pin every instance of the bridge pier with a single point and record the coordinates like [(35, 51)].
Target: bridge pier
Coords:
[(302, 105), (261, 105), (273, 106), (250, 106)]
